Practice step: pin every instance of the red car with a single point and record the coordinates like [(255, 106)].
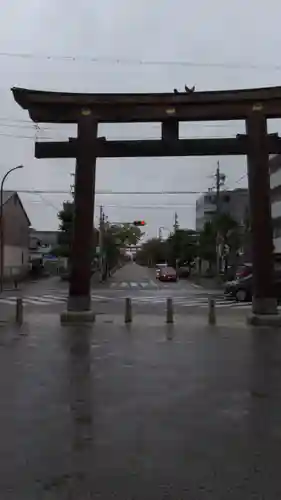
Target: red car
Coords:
[(168, 274)]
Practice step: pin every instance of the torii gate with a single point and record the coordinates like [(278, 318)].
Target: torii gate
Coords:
[(88, 110)]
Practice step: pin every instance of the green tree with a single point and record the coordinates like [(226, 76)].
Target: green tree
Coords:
[(153, 251), (182, 247), (222, 229), (207, 243), (126, 234), (65, 217), (111, 248)]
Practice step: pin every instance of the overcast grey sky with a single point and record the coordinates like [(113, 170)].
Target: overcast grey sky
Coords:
[(213, 45)]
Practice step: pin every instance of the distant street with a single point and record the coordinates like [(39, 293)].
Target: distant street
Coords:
[(148, 295)]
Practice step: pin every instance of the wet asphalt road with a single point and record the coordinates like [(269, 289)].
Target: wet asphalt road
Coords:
[(145, 412)]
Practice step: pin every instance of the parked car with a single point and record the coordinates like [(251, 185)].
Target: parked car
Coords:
[(183, 271), (159, 267), (242, 287), (168, 274), (244, 270)]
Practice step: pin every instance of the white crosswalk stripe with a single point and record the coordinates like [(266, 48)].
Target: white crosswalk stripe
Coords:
[(139, 284), (43, 300), (199, 302)]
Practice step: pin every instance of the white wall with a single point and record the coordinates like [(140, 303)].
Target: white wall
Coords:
[(277, 245), (276, 209), (275, 179), (15, 259)]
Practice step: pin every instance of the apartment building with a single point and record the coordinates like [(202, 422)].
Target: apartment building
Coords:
[(235, 203), (275, 192)]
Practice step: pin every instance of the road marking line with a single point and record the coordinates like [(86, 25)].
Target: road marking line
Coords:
[(133, 284), (43, 298), (191, 304), (123, 284), (152, 283), (10, 301), (144, 284), (36, 302), (232, 305), (112, 285), (51, 297), (155, 301)]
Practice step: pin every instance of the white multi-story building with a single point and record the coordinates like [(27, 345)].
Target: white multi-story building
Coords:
[(235, 203), (275, 191)]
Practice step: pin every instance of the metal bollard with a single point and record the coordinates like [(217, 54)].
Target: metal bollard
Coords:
[(128, 310), (19, 311), (212, 312), (169, 311)]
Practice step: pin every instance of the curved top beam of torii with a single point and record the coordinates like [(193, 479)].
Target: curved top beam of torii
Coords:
[(65, 107)]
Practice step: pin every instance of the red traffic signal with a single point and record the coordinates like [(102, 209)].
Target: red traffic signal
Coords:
[(139, 223)]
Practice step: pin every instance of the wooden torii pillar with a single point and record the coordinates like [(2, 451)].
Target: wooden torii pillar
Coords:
[(79, 300), (264, 300)]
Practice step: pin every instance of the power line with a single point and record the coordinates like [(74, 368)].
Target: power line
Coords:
[(30, 123), (135, 207), (48, 203), (149, 207), (241, 178), (102, 192), (112, 138), (140, 62), (122, 193)]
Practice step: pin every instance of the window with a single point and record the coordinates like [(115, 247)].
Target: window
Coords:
[(210, 199)]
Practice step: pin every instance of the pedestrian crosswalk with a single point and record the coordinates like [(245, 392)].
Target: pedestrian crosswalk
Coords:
[(42, 300), (179, 301), (144, 285), (189, 302)]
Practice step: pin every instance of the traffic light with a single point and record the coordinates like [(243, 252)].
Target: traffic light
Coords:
[(139, 223)]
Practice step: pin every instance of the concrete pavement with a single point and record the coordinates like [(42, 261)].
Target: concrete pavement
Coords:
[(155, 412)]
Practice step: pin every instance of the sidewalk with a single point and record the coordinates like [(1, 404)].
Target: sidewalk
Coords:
[(140, 412)]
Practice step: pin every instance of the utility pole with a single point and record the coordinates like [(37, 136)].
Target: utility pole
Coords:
[(176, 227), (101, 235), (72, 186), (220, 179), (176, 222)]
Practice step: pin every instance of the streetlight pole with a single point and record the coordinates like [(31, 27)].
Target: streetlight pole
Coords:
[(1, 225)]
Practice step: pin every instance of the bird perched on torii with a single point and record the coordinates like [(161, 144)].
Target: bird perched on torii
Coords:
[(187, 90)]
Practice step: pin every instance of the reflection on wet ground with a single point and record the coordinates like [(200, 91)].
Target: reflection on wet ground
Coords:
[(140, 412)]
